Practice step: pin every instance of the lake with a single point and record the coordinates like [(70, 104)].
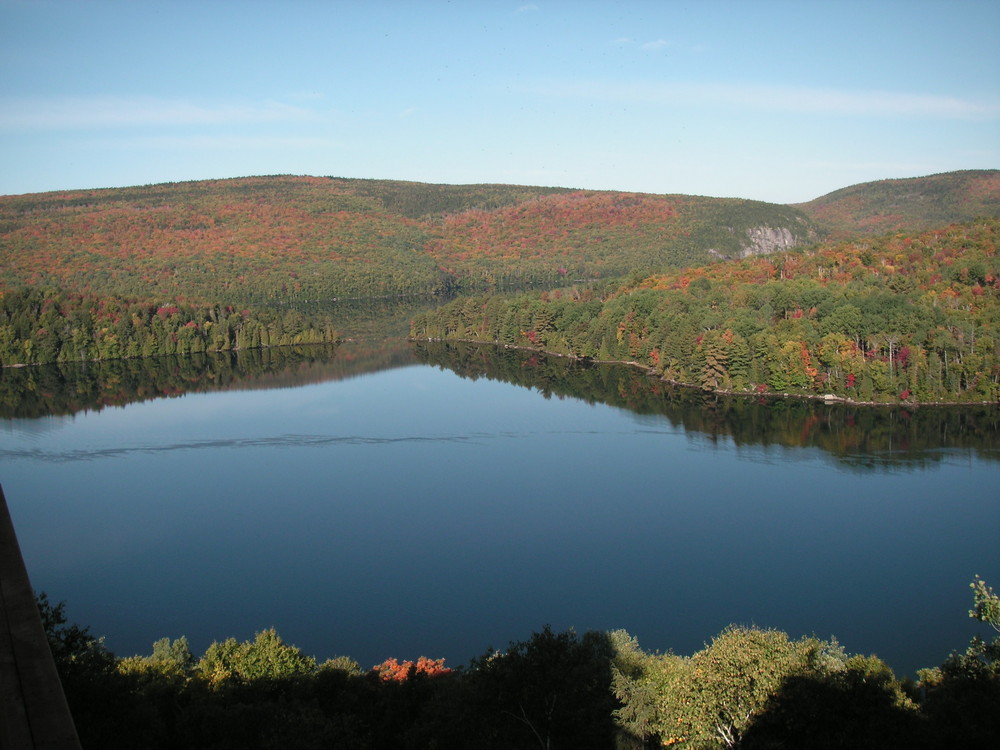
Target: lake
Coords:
[(389, 500)]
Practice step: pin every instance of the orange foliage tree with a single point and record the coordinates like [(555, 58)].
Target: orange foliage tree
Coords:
[(394, 670)]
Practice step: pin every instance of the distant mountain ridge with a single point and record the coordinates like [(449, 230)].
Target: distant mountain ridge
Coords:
[(909, 204), (287, 238)]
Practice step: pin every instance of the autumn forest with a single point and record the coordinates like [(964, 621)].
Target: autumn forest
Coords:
[(885, 293), (880, 292)]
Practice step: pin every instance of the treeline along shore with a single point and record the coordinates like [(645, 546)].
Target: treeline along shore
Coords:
[(902, 318), (45, 325)]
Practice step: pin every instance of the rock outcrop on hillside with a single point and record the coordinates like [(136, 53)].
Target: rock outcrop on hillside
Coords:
[(766, 240)]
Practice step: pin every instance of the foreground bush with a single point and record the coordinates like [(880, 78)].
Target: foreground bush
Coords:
[(748, 688)]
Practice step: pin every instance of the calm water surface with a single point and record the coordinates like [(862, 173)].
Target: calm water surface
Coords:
[(413, 512)]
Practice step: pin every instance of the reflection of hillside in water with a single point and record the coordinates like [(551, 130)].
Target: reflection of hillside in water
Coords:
[(860, 437), (70, 387), (369, 318)]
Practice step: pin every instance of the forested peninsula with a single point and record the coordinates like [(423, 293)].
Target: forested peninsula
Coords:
[(903, 317)]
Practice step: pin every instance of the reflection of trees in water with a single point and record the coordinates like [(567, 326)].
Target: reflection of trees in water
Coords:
[(371, 317), (70, 387), (860, 437)]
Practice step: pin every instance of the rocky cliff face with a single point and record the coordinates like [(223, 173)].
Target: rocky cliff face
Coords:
[(765, 240)]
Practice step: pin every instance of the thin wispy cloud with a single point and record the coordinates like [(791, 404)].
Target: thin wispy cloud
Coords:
[(527, 8), (650, 46), (222, 142), (73, 113), (781, 98)]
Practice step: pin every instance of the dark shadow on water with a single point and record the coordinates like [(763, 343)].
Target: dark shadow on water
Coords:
[(70, 387), (862, 438)]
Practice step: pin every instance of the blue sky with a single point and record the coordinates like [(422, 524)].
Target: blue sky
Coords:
[(778, 101)]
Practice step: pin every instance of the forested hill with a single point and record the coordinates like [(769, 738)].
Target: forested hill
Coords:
[(285, 238), (903, 317), (910, 204), (306, 238)]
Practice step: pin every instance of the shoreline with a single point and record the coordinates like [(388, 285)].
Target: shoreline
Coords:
[(827, 398), (15, 365)]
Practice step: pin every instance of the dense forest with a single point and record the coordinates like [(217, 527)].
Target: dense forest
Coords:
[(908, 204), (747, 688), (285, 239), (905, 317), (56, 326), (254, 245)]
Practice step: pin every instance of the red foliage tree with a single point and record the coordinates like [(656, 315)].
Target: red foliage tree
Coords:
[(394, 670)]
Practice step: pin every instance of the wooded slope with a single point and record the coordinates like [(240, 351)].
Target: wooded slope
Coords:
[(292, 239), (905, 317), (909, 204), (307, 238)]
